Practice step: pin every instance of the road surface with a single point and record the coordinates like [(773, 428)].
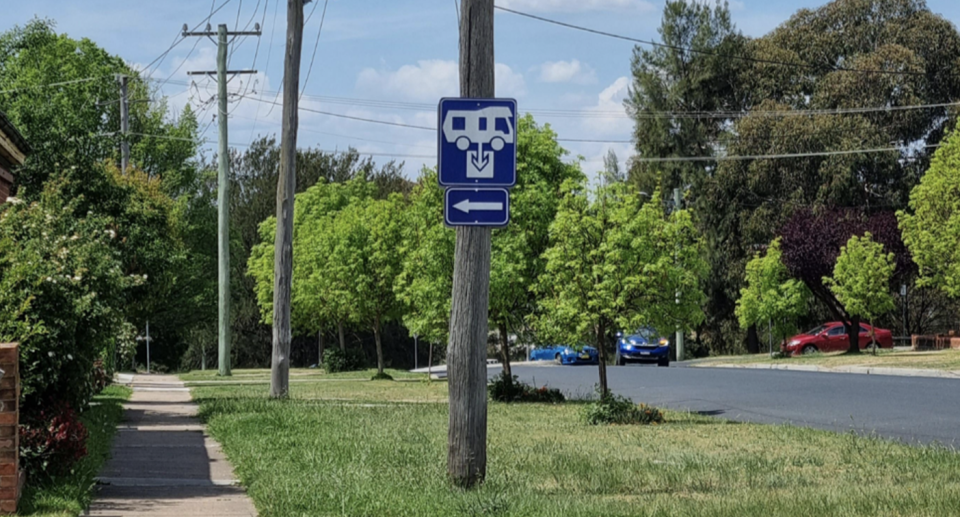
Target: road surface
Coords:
[(911, 409)]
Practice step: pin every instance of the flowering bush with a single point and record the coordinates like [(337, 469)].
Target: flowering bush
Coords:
[(506, 388), (62, 296), (52, 439)]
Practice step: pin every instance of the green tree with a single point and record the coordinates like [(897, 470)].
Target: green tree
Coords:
[(425, 281), (932, 230), (745, 202), (861, 279), (691, 72), (367, 240), (770, 295), (517, 250), (615, 261)]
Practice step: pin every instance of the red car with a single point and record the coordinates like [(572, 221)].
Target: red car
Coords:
[(832, 337)]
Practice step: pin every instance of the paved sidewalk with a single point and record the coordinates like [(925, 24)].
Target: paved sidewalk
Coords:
[(163, 463), (866, 370)]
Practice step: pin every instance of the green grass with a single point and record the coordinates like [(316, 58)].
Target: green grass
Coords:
[(937, 359), (68, 495), (314, 455)]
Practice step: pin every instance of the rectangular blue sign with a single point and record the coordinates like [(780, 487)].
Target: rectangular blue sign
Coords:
[(477, 142), (476, 207)]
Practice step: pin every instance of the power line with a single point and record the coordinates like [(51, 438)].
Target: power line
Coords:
[(775, 156), (238, 144), (703, 52), (315, 45), (273, 31), (176, 41)]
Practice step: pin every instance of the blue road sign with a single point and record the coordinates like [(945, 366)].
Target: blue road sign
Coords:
[(476, 207), (477, 142)]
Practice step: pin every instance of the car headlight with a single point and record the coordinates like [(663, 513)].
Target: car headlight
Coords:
[(794, 342), (663, 341), (629, 347)]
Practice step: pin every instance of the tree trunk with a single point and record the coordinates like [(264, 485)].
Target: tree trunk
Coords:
[(505, 349), (753, 340), (469, 309), (286, 188), (853, 333), (319, 348), (602, 359), (430, 362), (343, 340), (376, 337)]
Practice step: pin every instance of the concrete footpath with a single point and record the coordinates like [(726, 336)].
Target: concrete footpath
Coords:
[(865, 370), (163, 463)]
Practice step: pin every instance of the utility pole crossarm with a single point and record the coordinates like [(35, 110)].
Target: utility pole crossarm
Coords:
[(215, 33), (215, 72)]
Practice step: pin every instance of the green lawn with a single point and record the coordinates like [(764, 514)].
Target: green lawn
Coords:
[(318, 454), (69, 495), (938, 359)]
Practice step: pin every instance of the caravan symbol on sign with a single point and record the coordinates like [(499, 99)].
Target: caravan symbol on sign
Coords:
[(477, 142)]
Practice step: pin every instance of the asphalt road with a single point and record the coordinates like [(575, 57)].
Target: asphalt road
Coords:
[(911, 409)]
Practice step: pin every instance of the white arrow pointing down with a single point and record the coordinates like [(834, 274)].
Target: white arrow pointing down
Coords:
[(466, 206)]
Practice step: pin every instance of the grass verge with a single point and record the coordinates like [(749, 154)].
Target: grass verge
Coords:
[(69, 495), (935, 360), (364, 448)]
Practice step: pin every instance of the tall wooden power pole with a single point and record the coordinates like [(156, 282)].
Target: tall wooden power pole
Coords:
[(467, 356), (124, 124), (223, 183), (286, 188)]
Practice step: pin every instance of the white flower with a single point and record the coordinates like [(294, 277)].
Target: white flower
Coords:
[(113, 234), (70, 357), (49, 279), (144, 277), (14, 201), (50, 353)]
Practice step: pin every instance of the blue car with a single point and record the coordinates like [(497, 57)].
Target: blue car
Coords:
[(646, 346), (563, 354)]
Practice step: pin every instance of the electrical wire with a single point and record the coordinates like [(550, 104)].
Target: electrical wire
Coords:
[(702, 52), (315, 46), (273, 31), (776, 156)]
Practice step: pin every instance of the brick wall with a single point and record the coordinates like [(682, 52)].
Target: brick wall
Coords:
[(10, 478)]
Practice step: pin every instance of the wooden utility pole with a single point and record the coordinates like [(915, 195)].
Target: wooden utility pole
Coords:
[(223, 184), (286, 188), (467, 356), (124, 124)]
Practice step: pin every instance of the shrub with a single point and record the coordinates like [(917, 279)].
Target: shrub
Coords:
[(335, 361), (61, 295), (100, 377), (381, 377), (616, 409), (52, 439), (506, 388)]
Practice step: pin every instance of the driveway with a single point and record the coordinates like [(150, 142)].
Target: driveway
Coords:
[(911, 409)]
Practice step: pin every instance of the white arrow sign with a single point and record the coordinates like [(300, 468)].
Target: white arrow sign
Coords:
[(466, 206)]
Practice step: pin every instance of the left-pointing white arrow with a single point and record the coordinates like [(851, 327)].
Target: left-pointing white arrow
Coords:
[(466, 206)]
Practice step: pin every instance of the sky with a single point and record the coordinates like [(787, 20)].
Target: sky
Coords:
[(391, 61)]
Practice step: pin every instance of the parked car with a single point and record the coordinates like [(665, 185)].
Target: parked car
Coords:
[(563, 354), (832, 337), (645, 346)]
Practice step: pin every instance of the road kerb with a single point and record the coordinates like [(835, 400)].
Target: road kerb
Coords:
[(862, 370)]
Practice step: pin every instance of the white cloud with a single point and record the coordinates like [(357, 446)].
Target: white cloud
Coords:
[(431, 79), (567, 72), (608, 116), (544, 6)]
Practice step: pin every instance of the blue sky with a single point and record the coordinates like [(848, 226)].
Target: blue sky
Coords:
[(402, 54)]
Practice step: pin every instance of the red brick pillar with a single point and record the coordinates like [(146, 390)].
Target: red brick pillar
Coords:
[(10, 479)]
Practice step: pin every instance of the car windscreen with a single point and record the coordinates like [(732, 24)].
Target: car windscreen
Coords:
[(816, 330)]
